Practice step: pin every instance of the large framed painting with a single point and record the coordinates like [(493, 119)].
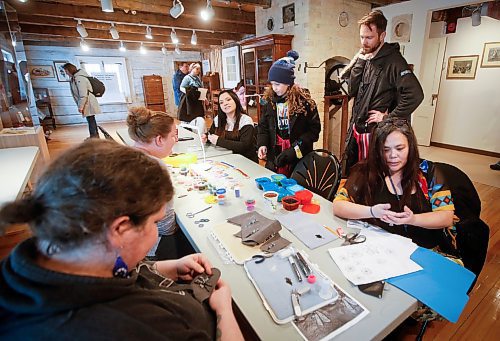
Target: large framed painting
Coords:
[(462, 67), (62, 76), (491, 55), (41, 71)]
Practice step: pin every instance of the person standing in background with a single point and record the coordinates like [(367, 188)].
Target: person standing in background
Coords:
[(382, 83), (81, 89), (241, 92), (177, 80)]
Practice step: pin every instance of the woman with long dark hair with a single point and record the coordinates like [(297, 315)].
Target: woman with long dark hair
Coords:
[(232, 128), (391, 191)]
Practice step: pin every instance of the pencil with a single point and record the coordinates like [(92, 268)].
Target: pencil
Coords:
[(331, 230)]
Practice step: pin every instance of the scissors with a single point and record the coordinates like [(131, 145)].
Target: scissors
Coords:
[(354, 238), (191, 214)]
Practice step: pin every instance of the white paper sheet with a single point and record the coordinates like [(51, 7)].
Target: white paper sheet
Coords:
[(381, 256), (203, 94)]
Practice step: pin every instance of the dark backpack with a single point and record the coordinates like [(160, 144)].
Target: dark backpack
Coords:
[(98, 87)]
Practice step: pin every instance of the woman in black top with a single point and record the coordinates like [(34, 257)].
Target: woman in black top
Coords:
[(232, 128)]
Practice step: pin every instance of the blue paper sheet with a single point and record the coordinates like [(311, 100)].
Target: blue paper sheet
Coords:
[(442, 284)]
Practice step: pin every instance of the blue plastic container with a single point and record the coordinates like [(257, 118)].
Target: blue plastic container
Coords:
[(288, 182), (294, 188), (277, 178), (260, 181), (270, 186)]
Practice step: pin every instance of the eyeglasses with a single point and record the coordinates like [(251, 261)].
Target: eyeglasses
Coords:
[(397, 122)]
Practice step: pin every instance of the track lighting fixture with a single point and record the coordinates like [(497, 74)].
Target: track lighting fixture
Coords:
[(173, 37), (194, 38), (208, 12), (81, 29), (177, 9), (114, 32), (122, 47), (142, 49), (177, 49), (84, 45), (13, 38), (107, 5), (163, 49), (149, 34)]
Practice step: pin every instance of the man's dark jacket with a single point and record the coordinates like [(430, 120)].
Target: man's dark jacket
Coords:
[(191, 107)]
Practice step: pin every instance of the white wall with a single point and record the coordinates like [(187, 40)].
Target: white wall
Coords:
[(468, 111), (65, 110)]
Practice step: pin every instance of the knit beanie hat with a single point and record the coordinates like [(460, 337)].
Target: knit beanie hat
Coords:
[(282, 71)]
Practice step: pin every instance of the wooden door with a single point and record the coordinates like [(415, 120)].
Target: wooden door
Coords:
[(153, 93)]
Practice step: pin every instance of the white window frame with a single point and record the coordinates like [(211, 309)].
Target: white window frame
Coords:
[(227, 53), (124, 78)]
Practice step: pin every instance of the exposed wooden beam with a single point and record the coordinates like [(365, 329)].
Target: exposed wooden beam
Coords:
[(71, 23), (99, 34), (69, 11), (29, 38)]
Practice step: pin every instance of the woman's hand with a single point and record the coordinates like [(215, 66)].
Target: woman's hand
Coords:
[(383, 212), (262, 153), (204, 138), (220, 300), (188, 266), (213, 139), (405, 217)]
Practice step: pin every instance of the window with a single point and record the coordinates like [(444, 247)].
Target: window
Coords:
[(112, 71), (231, 67)]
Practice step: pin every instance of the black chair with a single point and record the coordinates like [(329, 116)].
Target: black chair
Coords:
[(319, 171), (106, 134)]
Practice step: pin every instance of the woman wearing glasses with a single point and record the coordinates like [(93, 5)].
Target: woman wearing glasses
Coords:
[(390, 190)]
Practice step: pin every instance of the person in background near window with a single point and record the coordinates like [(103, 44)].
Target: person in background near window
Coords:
[(93, 216), (81, 89), (382, 83), (232, 128), (155, 133), (177, 80), (290, 122), (192, 109), (241, 92)]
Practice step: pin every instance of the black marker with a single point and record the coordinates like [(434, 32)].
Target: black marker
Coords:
[(180, 139)]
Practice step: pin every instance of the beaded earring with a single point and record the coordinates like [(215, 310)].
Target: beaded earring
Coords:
[(120, 269)]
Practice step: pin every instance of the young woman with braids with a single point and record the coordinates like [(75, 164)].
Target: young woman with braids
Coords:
[(290, 122), (81, 276), (391, 191), (155, 133), (232, 128)]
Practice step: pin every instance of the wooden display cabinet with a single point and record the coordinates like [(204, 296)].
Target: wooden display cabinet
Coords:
[(43, 104), (153, 93), (212, 83), (258, 54)]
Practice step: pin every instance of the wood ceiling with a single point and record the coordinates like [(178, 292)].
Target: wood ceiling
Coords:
[(53, 22)]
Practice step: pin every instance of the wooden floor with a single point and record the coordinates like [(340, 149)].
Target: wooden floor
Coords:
[(480, 319)]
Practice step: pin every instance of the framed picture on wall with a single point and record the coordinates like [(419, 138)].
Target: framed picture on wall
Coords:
[(61, 74), (491, 55), (41, 71), (462, 67)]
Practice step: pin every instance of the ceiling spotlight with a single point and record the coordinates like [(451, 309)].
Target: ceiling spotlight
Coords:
[(107, 5), (122, 47), (13, 38), (208, 12), (173, 37), (163, 49), (476, 16), (149, 35), (177, 49), (84, 45), (114, 32), (194, 38), (177, 9), (142, 49), (81, 29)]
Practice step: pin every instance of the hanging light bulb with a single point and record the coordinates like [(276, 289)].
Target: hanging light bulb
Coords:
[(177, 49), (142, 49), (81, 29), (164, 49), (194, 38), (173, 37), (122, 47), (114, 32), (13, 38), (84, 45), (208, 12), (149, 34), (107, 5)]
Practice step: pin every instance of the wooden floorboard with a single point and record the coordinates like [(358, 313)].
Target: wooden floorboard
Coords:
[(480, 319)]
